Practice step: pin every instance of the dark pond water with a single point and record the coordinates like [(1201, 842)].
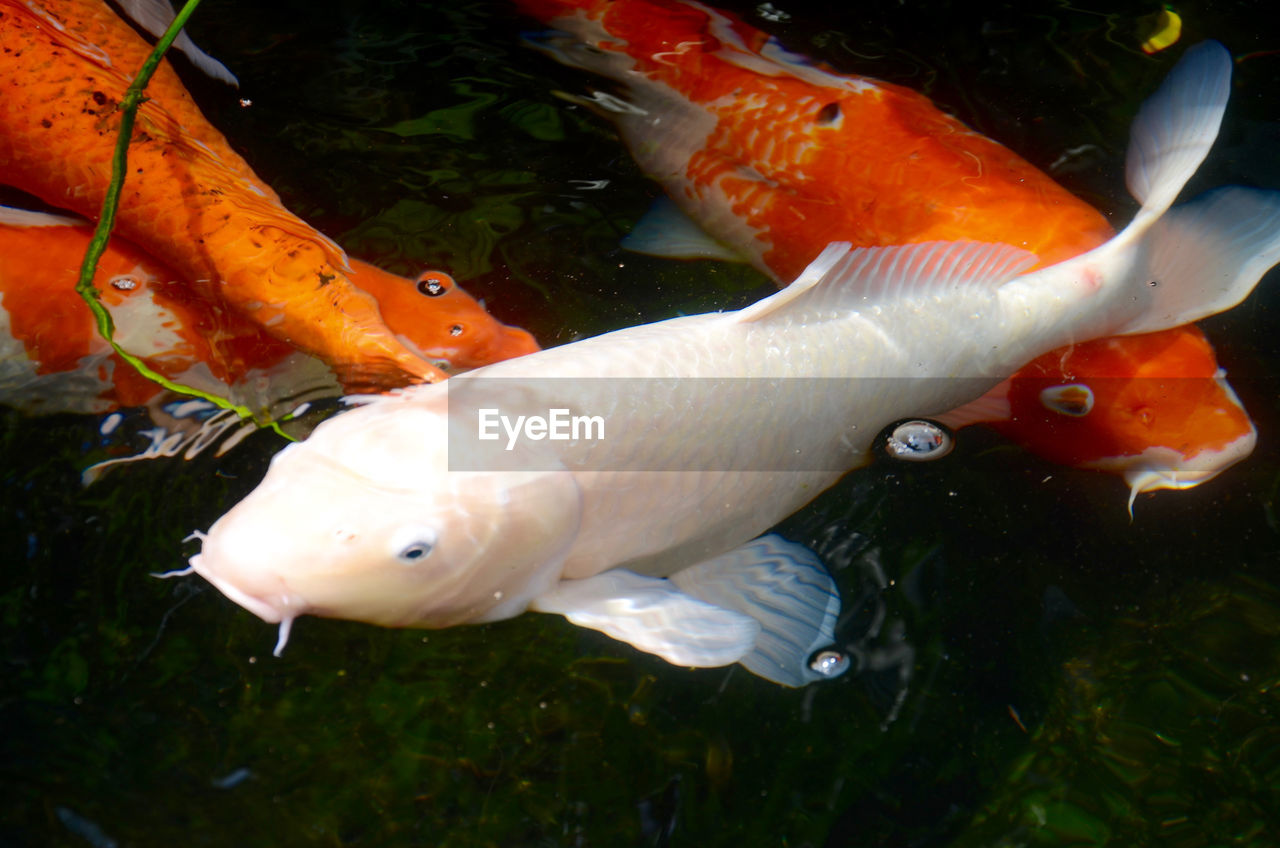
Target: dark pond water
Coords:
[(1036, 669)]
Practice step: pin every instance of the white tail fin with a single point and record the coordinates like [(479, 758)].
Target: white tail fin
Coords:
[(1170, 267), (1176, 126), (1207, 255)]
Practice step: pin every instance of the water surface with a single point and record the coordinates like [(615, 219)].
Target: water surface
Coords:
[(1034, 668)]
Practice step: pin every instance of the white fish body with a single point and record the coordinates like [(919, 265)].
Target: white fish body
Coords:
[(366, 521)]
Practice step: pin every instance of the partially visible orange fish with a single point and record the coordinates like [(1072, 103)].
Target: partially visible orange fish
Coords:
[(189, 200), (52, 358), (436, 319), (773, 157), (51, 354), (1155, 408)]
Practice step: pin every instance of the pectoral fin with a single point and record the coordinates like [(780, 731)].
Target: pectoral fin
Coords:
[(768, 605), (666, 231), (784, 587), (155, 16), (652, 615)]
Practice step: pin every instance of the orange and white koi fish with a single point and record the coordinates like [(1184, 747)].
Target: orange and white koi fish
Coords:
[(1155, 408), (189, 200), (774, 157), (52, 358)]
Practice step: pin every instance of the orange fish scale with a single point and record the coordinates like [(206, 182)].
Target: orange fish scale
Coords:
[(955, 168), (57, 142)]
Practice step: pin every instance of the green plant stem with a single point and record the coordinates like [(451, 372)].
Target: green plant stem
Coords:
[(133, 98)]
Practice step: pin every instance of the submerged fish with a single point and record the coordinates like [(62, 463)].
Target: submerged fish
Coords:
[(773, 157), (1154, 408), (399, 513), (52, 358), (189, 200)]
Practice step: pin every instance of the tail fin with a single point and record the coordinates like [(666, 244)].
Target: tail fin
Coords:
[(1175, 128), (1207, 255), (1169, 268)]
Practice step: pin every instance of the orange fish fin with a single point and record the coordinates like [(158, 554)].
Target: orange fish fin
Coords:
[(375, 376)]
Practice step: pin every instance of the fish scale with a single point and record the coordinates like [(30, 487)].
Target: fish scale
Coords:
[(952, 160), (227, 233), (858, 160), (643, 531)]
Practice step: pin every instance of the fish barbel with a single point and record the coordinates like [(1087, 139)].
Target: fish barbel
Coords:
[(401, 513)]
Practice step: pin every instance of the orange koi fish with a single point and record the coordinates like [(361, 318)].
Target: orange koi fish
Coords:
[(1155, 408), (191, 202), (52, 358), (774, 157)]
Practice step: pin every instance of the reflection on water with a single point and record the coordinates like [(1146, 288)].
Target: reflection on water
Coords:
[(1029, 666)]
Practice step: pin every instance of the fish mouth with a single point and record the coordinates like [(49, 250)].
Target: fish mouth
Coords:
[(1176, 472), (290, 606)]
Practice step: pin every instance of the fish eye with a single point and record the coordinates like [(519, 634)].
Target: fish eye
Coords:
[(828, 114), (456, 330), (412, 545), (1074, 400), (434, 283), (414, 552)]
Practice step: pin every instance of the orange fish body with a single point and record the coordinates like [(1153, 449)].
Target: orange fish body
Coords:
[(189, 200), (53, 359), (774, 158), (803, 156)]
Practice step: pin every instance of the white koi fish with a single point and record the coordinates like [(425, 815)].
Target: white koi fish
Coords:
[(701, 432)]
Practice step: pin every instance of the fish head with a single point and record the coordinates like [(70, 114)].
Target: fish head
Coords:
[(436, 319), (365, 521), (1154, 408)]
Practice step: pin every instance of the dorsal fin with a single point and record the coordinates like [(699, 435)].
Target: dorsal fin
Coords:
[(844, 278)]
